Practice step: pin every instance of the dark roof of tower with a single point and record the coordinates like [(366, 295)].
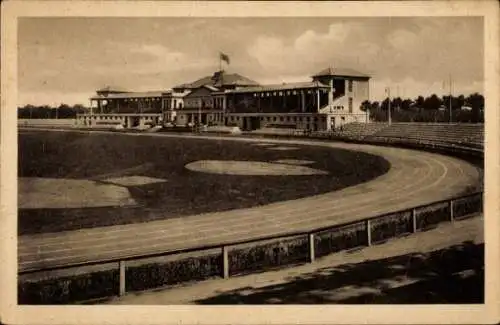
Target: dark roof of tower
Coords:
[(344, 72), (220, 79), (112, 89)]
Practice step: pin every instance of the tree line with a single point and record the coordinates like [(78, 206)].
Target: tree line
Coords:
[(62, 111), (433, 108)]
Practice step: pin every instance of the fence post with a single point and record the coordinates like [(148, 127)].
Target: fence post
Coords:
[(122, 278), (225, 262), (312, 253), (414, 219), (452, 217), (369, 232)]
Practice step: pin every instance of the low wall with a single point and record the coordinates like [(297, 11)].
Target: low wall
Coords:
[(222, 129), (47, 122)]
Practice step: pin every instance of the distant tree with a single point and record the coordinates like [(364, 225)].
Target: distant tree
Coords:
[(432, 103), (406, 104), (396, 103), (419, 102), (476, 102), (365, 105), (80, 109), (384, 106)]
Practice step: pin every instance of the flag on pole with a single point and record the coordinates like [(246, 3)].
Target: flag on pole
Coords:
[(224, 57)]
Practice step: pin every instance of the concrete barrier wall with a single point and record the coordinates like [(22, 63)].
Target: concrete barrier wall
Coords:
[(47, 122)]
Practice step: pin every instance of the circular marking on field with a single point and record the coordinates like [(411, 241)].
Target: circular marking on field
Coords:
[(282, 148), (58, 193), (251, 168), (294, 161), (133, 180)]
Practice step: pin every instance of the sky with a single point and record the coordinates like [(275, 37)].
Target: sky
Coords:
[(64, 60)]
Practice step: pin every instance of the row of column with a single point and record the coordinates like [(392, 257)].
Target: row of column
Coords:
[(100, 105), (220, 102)]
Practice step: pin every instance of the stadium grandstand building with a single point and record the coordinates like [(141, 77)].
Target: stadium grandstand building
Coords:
[(332, 98)]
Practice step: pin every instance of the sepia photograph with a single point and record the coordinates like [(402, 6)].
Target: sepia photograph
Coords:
[(203, 159)]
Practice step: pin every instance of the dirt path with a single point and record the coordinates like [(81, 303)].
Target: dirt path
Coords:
[(436, 261)]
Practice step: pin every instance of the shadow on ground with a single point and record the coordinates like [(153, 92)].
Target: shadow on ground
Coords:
[(452, 275)]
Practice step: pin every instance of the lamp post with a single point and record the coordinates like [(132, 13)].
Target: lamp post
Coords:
[(389, 117), (449, 104)]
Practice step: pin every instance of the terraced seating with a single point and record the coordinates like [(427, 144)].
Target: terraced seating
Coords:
[(459, 136), (468, 135), (359, 131)]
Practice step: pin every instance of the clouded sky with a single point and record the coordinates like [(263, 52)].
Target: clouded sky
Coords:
[(64, 60)]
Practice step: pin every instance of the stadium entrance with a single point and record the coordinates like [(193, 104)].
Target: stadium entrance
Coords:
[(251, 123), (135, 121)]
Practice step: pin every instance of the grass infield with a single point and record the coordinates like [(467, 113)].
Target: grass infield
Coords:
[(184, 192)]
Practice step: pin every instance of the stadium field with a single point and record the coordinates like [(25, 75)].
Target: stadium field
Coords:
[(382, 179), (161, 177)]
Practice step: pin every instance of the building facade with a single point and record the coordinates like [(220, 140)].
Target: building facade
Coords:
[(331, 99)]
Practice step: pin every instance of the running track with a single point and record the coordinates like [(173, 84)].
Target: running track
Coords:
[(415, 178)]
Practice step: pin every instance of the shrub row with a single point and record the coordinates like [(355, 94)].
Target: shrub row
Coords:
[(68, 289), (466, 206), (338, 239), (392, 225), (262, 257), (154, 275), (431, 215)]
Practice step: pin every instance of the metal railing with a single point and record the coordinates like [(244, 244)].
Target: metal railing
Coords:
[(298, 246)]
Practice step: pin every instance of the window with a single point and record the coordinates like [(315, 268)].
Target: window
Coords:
[(350, 104), (349, 85)]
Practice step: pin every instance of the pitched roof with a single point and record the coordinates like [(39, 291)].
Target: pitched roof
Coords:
[(112, 89), (284, 86), (141, 94), (344, 72), (220, 79)]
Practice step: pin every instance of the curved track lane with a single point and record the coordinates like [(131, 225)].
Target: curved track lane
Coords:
[(415, 178)]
